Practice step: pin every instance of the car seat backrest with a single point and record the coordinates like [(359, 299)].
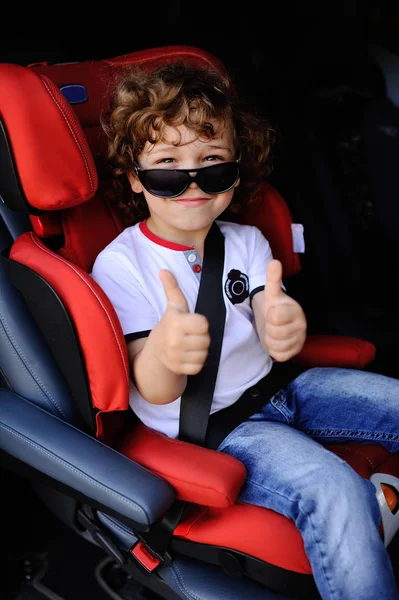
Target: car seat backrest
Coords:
[(54, 169), (269, 212)]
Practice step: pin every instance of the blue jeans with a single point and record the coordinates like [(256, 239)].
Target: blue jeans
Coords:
[(290, 471)]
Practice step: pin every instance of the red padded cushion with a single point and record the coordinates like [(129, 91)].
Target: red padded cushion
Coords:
[(197, 474), (265, 534), (47, 224), (53, 160), (269, 212), (367, 459), (96, 323), (253, 530), (335, 351), (96, 215)]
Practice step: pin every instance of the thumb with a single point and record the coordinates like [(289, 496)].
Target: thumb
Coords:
[(274, 275), (176, 299)]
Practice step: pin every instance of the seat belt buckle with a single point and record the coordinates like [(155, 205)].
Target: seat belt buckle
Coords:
[(152, 547), (148, 558)]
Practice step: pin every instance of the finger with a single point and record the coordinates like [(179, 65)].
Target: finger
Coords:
[(274, 273), (196, 342), (178, 356), (195, 357), (195, 324), (281, 314), (283, 356), (190, 369), (284, 332), (280, 346), (175, 297)]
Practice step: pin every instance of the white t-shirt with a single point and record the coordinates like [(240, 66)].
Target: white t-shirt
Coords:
[(128, 272)]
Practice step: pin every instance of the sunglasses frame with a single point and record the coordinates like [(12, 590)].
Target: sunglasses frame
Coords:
[(140, 172)]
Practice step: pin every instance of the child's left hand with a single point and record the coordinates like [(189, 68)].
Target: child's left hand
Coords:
[(284, 330)]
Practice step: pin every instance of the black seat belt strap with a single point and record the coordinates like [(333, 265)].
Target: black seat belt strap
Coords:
[(197, 398)]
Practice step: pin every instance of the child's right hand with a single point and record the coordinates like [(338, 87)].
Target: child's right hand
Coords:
[(184, 338)]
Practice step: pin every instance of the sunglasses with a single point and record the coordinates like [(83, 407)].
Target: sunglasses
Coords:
[(170, 183)]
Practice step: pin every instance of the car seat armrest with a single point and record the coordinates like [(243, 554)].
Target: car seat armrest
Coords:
[(335, 351), (197, 474), (91, 470)]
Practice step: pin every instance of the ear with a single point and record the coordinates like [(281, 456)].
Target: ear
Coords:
[(135, 183), (237, 183)]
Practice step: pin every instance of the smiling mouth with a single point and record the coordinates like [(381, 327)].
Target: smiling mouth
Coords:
[(192, 201)]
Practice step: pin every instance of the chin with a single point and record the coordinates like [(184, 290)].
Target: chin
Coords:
[(195, 225)]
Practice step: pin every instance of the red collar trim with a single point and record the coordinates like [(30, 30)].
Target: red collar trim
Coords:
[(160, 241)]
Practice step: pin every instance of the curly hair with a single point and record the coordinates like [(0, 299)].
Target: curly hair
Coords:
[(180, 94)]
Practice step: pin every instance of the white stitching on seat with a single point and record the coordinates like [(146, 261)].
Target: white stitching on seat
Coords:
[(39, 385), (71, 130), (80, 473), (70, 265), (178, 577), (123, 528)]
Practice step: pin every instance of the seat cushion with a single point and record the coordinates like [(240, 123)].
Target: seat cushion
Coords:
[(257, 532)]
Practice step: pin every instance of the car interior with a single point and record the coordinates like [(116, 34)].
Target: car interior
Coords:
[(97, 504)]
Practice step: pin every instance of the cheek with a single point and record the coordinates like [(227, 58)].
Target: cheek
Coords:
[(222, 203), (155, 204), (227, 197)]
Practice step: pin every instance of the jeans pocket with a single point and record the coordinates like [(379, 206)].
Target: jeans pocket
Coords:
[(279, 403), (275, 410)]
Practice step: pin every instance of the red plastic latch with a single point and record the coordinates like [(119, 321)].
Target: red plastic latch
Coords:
[(146, 559)]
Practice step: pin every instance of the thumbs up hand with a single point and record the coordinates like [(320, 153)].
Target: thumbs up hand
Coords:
[(284, 330), (184, 341)]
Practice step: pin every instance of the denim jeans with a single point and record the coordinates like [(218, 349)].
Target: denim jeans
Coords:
[(291, 472)]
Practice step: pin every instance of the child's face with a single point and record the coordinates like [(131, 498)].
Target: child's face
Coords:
[(194, 210)]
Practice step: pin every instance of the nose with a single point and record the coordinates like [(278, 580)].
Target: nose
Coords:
[(193, 185)]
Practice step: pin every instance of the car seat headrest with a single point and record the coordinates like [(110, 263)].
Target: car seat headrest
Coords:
[(93, 80), (52, 146), (52, 166)]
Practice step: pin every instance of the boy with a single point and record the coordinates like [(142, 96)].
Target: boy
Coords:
[(190, 151)]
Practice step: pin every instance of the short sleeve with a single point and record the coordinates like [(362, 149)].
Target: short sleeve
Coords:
[(136, 314)]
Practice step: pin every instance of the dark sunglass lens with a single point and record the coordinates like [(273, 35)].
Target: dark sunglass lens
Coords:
[(218, 178), (164, 183)]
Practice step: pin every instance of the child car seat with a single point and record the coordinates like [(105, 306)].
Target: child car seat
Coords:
[(151, 501)]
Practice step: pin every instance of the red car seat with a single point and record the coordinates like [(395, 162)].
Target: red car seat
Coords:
[(54, 168)]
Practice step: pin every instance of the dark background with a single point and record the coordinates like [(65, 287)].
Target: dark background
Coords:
[(295, 44), (307, 67)]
